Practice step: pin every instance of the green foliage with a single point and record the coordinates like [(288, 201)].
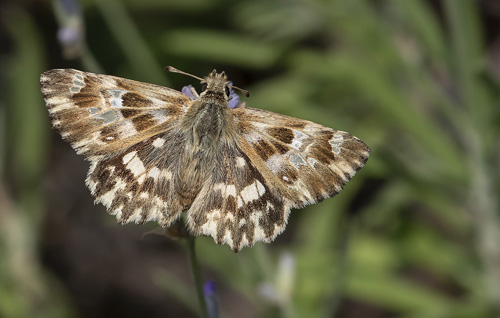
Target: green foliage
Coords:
[(414, 234)]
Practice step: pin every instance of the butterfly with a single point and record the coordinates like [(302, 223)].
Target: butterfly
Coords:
[(155, 153)]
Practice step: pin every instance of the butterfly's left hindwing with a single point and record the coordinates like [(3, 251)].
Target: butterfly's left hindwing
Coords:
[(139, 184)]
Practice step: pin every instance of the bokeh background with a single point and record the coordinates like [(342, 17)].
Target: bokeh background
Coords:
[(415, 234)]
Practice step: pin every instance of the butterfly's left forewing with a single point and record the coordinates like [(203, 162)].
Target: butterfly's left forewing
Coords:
[(102, 114)]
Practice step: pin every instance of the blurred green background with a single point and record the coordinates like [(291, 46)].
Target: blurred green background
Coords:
[(415, 234)]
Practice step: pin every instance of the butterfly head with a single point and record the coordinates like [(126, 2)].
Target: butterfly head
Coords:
[(216, 85)]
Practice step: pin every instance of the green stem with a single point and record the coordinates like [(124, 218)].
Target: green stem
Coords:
[(195, 270)]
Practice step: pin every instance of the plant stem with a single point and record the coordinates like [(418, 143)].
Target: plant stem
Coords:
[(195, 270)]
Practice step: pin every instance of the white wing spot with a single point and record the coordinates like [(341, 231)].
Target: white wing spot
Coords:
[(298, 139), (154, 173), (79, 77), (135, 165), (118, 212), (128, 156), (165, 174), (212, 220), (161, 116), (136, 216), (108, 117), (231, 190), (126, 129), (78, 83), (258, 232), (153, 214), (116, 97), (227, 238), (159, 142), (336, 142), (260, 188), (312, 161), (226, 190), (141, 178), (251, 192), (296, 160), (107, 198), (240, 162), (275, 163)]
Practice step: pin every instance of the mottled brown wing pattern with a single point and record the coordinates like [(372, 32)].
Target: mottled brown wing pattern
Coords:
[(101, 114), (127, 130), (237, 206), (307, 161), (139, 184), (277, 163), (154, 153)]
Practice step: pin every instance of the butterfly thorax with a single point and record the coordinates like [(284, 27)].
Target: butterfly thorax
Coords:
[(209, 120)]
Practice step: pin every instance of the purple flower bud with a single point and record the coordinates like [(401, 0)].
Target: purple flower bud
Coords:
[(71, 30), (209, 288), (68, 36), (186, 90), (211, 299), (235, 99)]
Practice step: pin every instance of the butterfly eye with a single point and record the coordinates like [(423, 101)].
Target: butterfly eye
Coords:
[(204, 87), (227, 91)]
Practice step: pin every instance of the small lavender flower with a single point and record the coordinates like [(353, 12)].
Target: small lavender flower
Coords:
[(71, 31), (235, 98), (211, 299), (68, 36), (186, 90)]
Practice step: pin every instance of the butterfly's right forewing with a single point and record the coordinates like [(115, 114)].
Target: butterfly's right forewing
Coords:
[(307, 161)]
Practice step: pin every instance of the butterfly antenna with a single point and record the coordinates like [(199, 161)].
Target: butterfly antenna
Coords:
[(243, 91), (174, 70)]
